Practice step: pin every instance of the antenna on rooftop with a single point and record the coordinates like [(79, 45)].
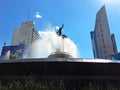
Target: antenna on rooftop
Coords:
[(28, 15)]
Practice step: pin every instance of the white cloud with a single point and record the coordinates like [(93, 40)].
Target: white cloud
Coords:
[(37, 15)]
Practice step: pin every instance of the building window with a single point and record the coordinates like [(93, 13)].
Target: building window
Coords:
[(103, 40), (104, 48)]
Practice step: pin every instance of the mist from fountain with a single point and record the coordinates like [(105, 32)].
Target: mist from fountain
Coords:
[(50, 42)]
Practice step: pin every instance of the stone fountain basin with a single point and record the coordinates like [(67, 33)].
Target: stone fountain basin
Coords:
[(61, 68)]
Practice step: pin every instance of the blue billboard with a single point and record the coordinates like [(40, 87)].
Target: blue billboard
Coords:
[(13, 52)]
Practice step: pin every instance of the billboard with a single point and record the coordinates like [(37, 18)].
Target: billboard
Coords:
[(13, 52)]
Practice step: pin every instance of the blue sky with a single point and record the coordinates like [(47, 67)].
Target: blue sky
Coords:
[(78, 17)]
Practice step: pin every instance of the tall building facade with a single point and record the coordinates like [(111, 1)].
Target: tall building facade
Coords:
[(103, 43), (22, 38), (25, 35)]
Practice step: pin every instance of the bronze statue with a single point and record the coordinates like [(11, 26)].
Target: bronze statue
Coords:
[(59, 32)]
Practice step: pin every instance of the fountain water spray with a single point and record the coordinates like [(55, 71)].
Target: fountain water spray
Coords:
[(51, 42)]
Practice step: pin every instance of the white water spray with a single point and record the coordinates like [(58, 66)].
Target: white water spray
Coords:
[(50, 42)]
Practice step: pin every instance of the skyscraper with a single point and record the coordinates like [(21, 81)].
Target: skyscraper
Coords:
[(25, 35), (103, 43), (22, 38)]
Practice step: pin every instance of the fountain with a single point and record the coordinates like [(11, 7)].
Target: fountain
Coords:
[(60, 50), (53, 44), (59, 63)]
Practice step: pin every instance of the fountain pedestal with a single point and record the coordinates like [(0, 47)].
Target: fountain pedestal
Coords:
[(59, 55)]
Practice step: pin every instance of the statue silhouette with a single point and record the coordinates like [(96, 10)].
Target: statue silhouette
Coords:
[(59, 32)]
